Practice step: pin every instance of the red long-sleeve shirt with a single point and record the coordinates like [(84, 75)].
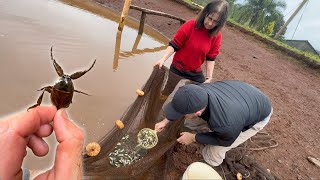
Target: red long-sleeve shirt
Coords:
[(193, 46)]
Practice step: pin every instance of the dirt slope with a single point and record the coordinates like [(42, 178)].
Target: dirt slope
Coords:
[(294, 89)]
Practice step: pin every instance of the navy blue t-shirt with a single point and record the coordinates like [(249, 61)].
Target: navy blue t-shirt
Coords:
[(233, 106)]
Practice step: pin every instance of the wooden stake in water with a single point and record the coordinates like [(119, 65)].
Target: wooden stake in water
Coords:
[(124, 14)]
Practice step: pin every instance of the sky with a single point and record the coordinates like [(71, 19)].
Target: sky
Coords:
[(309, 26)]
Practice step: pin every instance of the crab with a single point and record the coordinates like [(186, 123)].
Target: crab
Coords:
[(62, 91)]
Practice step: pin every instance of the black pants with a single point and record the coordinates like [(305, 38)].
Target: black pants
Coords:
[(176, 75)]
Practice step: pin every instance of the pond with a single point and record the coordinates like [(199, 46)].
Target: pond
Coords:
[(79, 33)]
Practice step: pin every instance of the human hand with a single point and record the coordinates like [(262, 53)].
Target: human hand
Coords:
[(208, 80), (159, 63), (186, 138), (160, 125), (28, 129)]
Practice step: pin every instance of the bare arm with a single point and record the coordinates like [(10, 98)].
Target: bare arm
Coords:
[(209, 69), (167, 54)]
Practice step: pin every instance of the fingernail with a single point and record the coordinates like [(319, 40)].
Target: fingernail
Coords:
[(64, 114)]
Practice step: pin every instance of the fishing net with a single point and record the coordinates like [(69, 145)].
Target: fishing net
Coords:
[(120, 158), (144, 112), (238, 160)]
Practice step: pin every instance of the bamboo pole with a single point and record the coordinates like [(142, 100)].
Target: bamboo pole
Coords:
[(123, 17), (124, 14), (117, 51), (142, 51), (159, 13)]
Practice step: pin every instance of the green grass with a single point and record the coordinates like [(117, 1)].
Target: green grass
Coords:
[(307, 54), (190, 2)]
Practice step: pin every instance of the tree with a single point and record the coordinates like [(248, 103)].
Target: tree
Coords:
[(268, 29), (231, 5), (259, 13)]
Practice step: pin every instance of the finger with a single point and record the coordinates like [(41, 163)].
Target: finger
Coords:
[(68, 162), (38, 146), (159, 129), (44, 130), (29, 122), (179, 139), (64, 128)]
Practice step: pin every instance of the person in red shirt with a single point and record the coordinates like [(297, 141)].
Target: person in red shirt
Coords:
[(197, 41)]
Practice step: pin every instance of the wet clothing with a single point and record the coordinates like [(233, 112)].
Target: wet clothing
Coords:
[(233, 107), (193, 46)]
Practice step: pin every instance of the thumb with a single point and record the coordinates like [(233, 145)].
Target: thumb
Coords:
[(64, 128), (68, 161)]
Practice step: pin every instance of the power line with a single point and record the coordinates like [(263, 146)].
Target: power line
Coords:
[(291, 10), (300, 20)]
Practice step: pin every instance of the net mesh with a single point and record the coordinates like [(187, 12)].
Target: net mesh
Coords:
[(144, 112), (167, 160)]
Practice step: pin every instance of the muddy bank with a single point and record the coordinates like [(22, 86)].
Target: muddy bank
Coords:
[(293, 88)]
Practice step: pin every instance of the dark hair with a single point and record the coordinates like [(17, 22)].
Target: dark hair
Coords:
[(216, 6)]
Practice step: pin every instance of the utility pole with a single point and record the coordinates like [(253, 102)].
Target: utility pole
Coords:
[(290, 19)]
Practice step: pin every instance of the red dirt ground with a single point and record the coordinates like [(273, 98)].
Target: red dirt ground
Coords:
[(293, 88)]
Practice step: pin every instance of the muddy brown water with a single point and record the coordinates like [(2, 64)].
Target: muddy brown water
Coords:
[(79, 33)]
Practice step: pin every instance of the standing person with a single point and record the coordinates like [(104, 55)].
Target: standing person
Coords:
[(28, 129), (197, 40), (233, 110)]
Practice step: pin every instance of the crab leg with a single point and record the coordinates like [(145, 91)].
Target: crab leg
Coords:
[(48, 89), (59, 70), (82, 92), (76, 75)]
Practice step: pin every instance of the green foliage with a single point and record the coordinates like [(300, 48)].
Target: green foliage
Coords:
[(268, 29), (191, 3), (188, 1), (258, 14), (201, 2)]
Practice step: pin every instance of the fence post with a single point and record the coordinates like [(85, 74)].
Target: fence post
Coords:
[(142, 19), (124, 14)]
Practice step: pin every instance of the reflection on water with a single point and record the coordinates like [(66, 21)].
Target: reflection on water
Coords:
[(133, 52), (30, 28), (117, 50)]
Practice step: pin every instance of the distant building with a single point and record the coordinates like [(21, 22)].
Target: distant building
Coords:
[(302, 45)]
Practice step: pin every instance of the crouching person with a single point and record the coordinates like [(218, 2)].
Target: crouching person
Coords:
[(233, 110)]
